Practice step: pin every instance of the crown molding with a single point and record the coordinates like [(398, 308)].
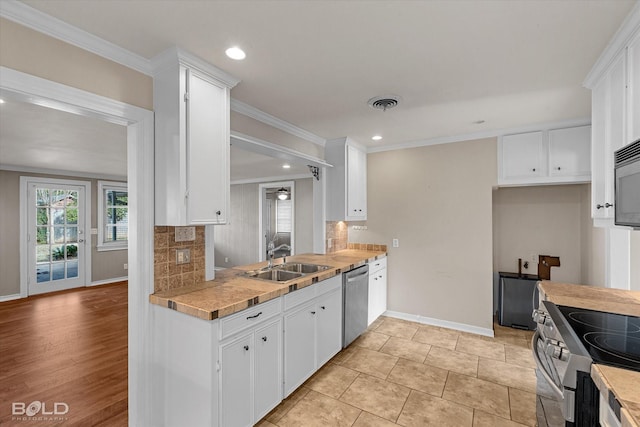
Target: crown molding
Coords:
[(481, 135), (175, 55), (61, 172), (629, 27), (266, 118), (27, 16)]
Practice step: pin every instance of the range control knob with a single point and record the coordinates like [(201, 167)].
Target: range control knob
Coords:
[(556, 350), (539, 316), (549, 327)]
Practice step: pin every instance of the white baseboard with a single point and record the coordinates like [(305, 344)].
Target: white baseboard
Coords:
[(441, 323), (107, 281), (4, 298)]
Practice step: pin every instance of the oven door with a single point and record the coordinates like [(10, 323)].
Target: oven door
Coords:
[(555, 405)]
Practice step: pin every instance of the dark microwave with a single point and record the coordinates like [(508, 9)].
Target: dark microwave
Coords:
[(627, 185)]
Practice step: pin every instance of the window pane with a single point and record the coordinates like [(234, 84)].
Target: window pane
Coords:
[(42, 216), (42, 273), (283, 216), (72, 269), (57, 252), (72, 251), (42, 197), (72, 215), (72, 234), (58, 216), (58, 234), (117, 198), (42, 235), (72, 199), (43, 252), (57, 270), (58, 198)]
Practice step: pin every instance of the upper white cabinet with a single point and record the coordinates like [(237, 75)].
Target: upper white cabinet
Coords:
[(191, 102), (346, 181), (615, 111), (552, 156)]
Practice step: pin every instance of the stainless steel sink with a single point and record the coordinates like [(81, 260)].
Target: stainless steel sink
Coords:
[(275, 275), (302, 268)]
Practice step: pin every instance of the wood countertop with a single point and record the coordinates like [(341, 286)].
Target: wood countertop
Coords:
[(624, 384), (231, 291)]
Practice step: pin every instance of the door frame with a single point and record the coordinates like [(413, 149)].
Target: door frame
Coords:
[(261, 239), (25, 181), (140, 177)]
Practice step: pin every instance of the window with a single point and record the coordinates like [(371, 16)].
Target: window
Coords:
[(283, 216), (113, 216)]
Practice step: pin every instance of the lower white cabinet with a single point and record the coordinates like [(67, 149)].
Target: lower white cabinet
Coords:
[(268, 369), (312, 330), (377, 289), (235, 379)]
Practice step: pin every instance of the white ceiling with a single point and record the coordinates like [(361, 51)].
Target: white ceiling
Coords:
[(316, 63)]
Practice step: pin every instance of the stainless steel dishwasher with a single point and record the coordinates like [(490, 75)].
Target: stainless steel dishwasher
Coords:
[(355, 297)]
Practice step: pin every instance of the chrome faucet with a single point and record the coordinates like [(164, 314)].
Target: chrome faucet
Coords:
[(271, 248)]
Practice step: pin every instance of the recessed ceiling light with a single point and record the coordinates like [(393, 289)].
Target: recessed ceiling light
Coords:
[(235, 53), (1, 101), (376, 137), (286, 166)]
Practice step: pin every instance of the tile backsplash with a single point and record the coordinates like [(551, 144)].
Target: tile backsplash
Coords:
[(367, 247), (338, 233), (167, 273)]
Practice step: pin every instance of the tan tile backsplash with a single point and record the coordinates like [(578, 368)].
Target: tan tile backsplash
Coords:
[(366, 247), (338, 233), (167, 273)]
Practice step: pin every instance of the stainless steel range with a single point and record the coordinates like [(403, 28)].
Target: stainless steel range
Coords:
[(566, 341)]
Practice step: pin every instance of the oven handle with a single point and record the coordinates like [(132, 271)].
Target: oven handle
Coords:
[(545, 374)]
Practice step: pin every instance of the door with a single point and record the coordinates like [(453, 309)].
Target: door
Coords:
[(268, 376), (235, 381), (299, 347), (329, 326), (522, 155), (56, 213)]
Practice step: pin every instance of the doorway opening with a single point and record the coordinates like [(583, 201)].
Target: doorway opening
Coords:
[(276, 219)]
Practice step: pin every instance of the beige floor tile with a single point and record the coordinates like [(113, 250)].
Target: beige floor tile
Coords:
[(517, 341), (481, 347), (371, 340), (376, 396), (477, 393), (424, 410), (462, 363), (523, 406), (418, 376), (371, 362), (397, 328), (369, 420), (344, 355), (376, 323), (482, 419), (316, 409), (519, 356), (265, 423), (281, 410), (506, 374), (332, 380), (406, 349), (437, 337)]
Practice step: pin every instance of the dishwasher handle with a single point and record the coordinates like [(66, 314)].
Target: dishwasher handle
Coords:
[(354, 278)]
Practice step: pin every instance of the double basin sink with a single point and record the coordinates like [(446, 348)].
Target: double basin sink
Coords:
[(286, 271)]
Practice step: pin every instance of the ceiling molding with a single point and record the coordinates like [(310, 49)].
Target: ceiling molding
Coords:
[(60, 172), (22, 14), (266, 118), (174, 55), (271, 179), (624, 34), (481, 135)]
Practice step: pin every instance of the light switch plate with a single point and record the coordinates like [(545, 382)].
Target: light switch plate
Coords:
[(185, 234), (183, 256)]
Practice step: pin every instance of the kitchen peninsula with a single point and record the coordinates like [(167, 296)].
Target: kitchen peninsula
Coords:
[(227, 351)]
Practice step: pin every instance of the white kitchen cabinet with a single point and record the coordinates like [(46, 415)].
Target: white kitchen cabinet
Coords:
[(268, 368), (192, 107), (236, 360), (549, 156), (608, 129), (312, 330), (633, 89), (346, 180), (377, 289)]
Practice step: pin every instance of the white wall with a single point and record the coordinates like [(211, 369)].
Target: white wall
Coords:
[(635, 260), (437, 201)]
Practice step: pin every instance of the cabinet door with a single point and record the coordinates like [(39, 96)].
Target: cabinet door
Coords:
[(299, 346), (356, 183), (207, 136), (570, 151), (522, 155), (377, 294), (235, 382), (598, 148), (615, 131), (329, 326), (268, 371), (633, 106)]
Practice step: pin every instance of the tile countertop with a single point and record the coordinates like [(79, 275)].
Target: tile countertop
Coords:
[(231, 291), (623, 383)]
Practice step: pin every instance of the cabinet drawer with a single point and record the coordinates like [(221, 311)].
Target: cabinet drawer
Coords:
[(377, 265), (249, 317), (300, 296), (329, 285)]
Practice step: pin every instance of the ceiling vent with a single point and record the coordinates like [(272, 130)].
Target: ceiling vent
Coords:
[(384, 103)]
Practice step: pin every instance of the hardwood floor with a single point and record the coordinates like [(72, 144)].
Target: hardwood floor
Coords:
[(68, 347)]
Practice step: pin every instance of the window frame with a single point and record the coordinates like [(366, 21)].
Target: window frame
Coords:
[(101, 245)]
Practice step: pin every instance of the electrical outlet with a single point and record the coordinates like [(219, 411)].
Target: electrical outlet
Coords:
[(183, 256), (126, 266), (329, 242), (534, 258), (396, 243), (226, 259)]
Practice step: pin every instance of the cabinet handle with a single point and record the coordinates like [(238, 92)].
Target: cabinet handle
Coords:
[(608, 205), (246, 348), (558, 168), (375, 278), (323, 307), (218, 213), (534, 169), (264, 339), (313, 312), (254, 316)]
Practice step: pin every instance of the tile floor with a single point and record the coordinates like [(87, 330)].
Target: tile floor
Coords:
[(409, 374)]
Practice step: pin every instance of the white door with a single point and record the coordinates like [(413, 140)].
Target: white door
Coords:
[(268, 373), (56, 216), (235, 386)]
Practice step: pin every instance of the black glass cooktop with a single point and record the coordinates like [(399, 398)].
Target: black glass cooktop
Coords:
[(610, 339)]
